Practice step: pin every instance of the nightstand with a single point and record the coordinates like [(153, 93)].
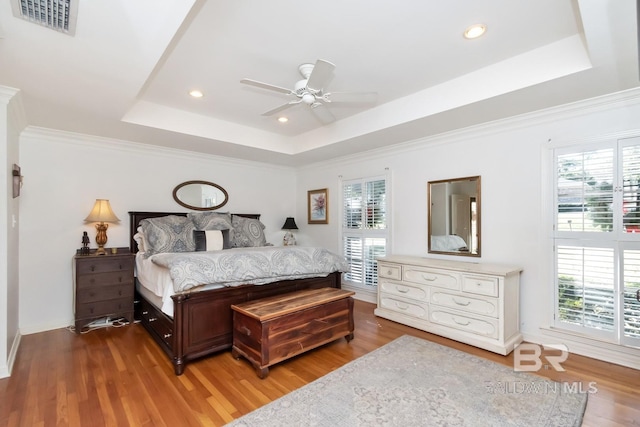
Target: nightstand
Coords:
[(104, 286)]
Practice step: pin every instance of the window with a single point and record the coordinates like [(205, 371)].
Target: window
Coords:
[(597, 240), (364, 228)]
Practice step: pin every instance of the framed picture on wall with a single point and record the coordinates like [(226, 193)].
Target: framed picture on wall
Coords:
[(318, 206)]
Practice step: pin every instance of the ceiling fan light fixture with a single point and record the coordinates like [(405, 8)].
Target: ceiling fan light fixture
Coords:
[(474, 31), (308, 98)]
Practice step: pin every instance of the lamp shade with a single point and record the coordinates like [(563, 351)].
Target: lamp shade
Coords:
[(290, 224), (102, 212)]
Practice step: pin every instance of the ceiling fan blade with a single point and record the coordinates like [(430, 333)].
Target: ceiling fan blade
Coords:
[(322, 113), (266, 86), (321, 74), (281, 108), (358, 97)]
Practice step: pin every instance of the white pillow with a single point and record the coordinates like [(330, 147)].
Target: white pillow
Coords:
[(139, 239)]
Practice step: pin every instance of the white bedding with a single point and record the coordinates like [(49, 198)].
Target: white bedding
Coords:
[(448, 243)]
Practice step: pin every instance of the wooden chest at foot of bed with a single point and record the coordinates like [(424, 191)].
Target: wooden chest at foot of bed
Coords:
[(270, 330)]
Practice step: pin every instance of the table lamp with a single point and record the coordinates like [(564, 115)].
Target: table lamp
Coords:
[(101, 214), (289, 239)]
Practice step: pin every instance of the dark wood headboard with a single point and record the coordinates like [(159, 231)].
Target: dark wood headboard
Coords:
[(136, 216)]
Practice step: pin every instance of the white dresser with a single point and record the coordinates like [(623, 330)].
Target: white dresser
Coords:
[(473, 303)]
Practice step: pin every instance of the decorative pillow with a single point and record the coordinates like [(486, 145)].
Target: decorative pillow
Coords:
[(247, 232), (171, 233), (210, 220), (211, 240)]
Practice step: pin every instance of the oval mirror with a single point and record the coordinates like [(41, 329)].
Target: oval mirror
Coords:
[(454, 216), (200, 195)]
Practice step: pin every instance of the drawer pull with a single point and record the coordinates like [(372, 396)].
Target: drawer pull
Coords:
[(461, 323), (93, 268), (402, 290), (152, 319), (389, 272), (429, 278), (402, 306), (165, 336), (246, 331), (463, 303)]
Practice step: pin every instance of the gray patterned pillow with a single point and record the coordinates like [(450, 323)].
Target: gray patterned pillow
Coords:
[(210, 220), (170, 233), (247, 232)]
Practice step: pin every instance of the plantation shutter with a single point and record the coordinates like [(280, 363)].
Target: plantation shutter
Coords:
[(585, 191), (364, 228), (597, 240), (586, 286)]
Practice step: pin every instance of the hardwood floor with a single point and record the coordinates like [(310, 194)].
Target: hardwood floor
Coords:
[(120, 377)]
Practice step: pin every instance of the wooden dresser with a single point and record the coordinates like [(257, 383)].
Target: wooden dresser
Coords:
[(104, 287), (270, 330), (474, 303)]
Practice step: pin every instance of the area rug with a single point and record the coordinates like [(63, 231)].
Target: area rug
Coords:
[(414, 382)]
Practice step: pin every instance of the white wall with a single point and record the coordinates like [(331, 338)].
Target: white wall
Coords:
[(510, 157), (65, 173)]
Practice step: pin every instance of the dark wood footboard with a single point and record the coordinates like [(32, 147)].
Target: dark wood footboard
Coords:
[(203, 321)]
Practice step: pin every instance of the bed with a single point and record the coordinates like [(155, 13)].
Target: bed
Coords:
[(192, 322)]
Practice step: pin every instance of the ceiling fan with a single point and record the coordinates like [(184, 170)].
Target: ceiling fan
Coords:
[(311, 91)]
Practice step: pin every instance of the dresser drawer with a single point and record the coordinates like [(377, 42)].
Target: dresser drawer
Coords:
[(104, 279), (100, 293), (484, 306), (482, 285), (102, 264), (415, 309), (156, 323), (485, 327), (104, 308), (389, 271), (431, 277), (406, 290)]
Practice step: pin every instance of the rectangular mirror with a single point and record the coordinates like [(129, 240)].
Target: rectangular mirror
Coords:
[(454, 216)]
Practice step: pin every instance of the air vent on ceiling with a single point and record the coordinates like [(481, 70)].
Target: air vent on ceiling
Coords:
[(59, 15)]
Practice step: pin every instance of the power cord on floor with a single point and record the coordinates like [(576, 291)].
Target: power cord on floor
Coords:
[(100, 324)]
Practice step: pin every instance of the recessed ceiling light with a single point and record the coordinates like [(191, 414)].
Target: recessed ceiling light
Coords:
[(475, 31), (283, 119), (196, 94)]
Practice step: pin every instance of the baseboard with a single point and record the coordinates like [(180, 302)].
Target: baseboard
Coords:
[(14, 351), (5, 370), (585, 346), (362, 294), (34, 329)]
